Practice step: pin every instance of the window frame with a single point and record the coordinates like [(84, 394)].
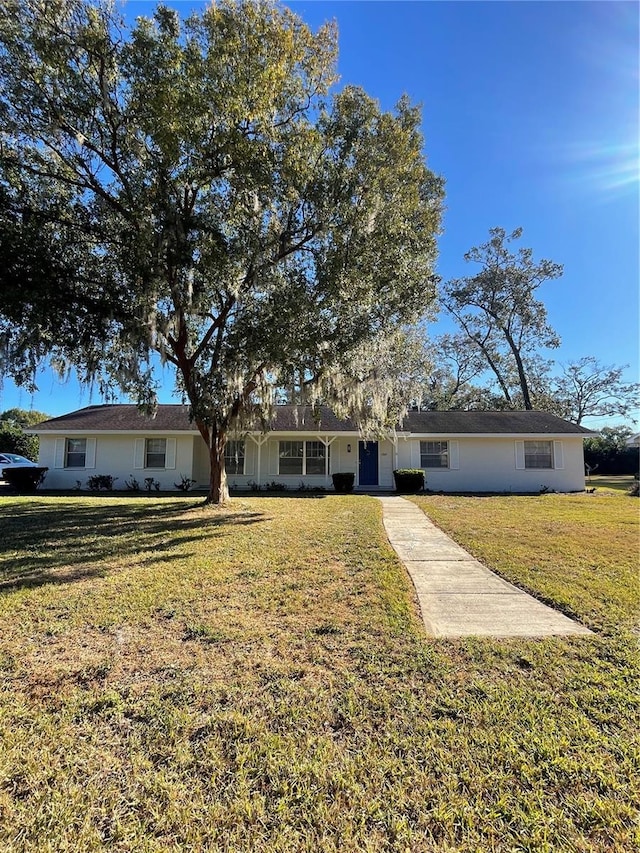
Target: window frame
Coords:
[(305, 457), (232, 461), (324, 456), (530, 454), (68, 452), (148, 453), (441, 454)]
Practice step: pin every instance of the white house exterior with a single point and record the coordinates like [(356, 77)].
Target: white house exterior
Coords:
[(458, 451)]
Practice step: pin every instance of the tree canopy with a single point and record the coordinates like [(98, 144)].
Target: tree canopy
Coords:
[(13, 439), (610, 453), (503, 331), (194, 189), (588, 388), (498, 312)]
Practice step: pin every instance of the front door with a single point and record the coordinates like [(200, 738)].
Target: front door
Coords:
[(368, 463)]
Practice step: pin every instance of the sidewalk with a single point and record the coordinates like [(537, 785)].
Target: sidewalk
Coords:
[(459, 596)]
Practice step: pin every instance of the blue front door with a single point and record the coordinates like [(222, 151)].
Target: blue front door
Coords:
[(368, 463)]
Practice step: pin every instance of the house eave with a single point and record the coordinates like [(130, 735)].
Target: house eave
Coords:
[(53, 432), (300, 433), (556, 436)]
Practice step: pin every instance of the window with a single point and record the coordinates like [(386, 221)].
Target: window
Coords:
[(76, 453), (538, 454), (434, 454), (234, 457), (303, 457), (155, 452), (315, 453), (291, 457)]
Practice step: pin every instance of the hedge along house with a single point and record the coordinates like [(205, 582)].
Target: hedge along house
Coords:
[(458, 451)]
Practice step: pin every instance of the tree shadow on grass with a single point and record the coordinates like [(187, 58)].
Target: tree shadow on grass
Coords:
[(67, 540)]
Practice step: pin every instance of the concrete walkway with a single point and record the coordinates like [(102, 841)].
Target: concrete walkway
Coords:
[(458, 595)]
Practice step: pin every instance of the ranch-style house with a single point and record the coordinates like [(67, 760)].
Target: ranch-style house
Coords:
[(508, 451)]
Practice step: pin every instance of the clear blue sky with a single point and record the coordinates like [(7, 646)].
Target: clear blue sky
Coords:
[(530, 112)]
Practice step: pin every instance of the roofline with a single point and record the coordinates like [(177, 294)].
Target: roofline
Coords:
[(32, 431), (403, 434), (555, 435)]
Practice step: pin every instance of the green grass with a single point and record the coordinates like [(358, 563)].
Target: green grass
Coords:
[(621, 483), (577, 552), (174, 678)]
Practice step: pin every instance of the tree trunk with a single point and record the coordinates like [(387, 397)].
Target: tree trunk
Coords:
[(522, 376), (494, 367), (218, 493)]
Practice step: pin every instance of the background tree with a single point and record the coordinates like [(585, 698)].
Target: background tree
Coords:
[(12, 436), (608, 452), (588, 388), (450, 381), (498, 312), (222, 210), (23, 417)]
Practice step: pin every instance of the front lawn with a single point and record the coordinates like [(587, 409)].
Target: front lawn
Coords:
[(578, 552), (175, 678), (620, 483)]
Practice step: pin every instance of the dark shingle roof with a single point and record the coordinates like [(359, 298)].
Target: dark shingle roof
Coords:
[(115, 417), (124, 417), (540, 423)]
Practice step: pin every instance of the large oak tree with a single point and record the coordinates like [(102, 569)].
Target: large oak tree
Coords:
[(193, 189)]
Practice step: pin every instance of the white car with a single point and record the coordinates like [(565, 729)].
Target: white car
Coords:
[(14, 460)]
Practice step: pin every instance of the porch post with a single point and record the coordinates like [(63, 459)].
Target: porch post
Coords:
[(259, 440), (327, 443)]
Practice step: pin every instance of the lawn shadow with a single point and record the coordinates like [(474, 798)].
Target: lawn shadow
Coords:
[(64, 540)]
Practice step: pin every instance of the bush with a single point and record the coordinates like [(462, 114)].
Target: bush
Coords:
[(132, 485), (101, 481), (25, 480), (185, 483), (609, 454), (274, 486), (343, 481), (304, 487), (409, 480), (634, 490)]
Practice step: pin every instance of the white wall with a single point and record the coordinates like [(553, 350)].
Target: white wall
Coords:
[(484, 464), (114, 455), (489, 465), (341, 460)]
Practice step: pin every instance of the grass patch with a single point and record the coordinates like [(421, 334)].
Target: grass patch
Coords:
[(578, 552), (621, 483), (177, 678)]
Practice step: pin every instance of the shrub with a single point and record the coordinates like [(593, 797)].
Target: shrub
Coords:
[(609, 454), (343, 481), (185, 483), (273, 486), (634, 490), (132, 485), (409, 480), (151, 483), (101, 481), (304, 487), (25, 480)]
